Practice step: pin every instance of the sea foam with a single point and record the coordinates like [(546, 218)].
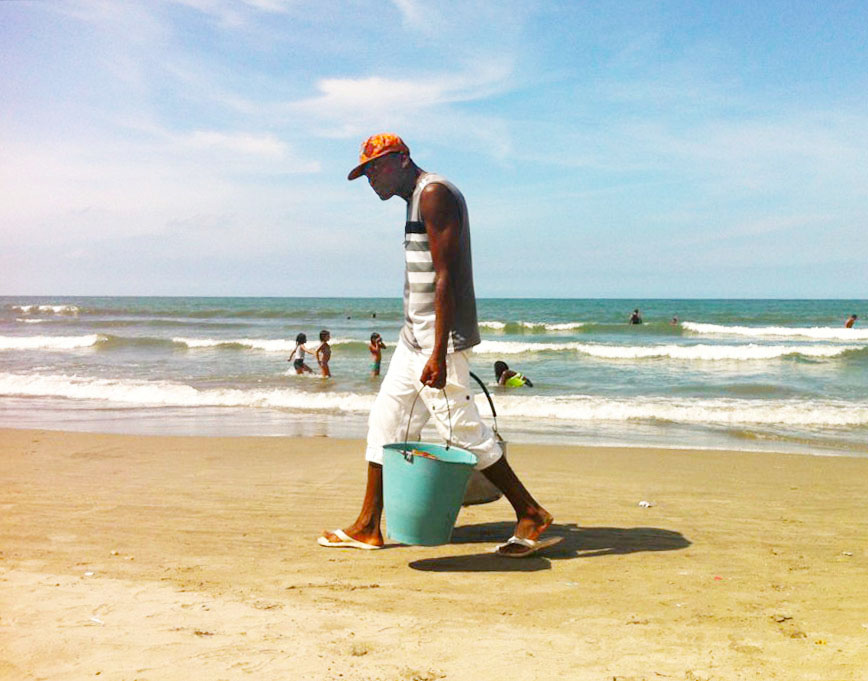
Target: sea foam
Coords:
[(54, 309), (720, 411), (264, 344), (747, 352), (273, 345), (542, 326), (563, 409), (50, 342), (814, 332), (171, 394)]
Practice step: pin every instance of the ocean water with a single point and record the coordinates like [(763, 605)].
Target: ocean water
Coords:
[(782, 375)]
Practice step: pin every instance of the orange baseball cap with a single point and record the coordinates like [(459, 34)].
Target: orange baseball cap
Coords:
[(376, 146)]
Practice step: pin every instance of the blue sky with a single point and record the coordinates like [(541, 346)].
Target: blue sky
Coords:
[(606, 149)]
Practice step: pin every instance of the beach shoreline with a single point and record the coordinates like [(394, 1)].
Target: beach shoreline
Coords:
[(227, 422), (759, 375), (188, 557)]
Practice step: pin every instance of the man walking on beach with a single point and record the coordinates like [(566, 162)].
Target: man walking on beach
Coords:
[(430, 360)]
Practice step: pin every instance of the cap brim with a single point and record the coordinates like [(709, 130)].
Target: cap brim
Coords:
[(358, 171)]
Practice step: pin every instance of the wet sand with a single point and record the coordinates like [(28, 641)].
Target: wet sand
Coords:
[(163, 558)]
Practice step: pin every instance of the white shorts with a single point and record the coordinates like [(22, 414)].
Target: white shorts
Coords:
[(390, 415)]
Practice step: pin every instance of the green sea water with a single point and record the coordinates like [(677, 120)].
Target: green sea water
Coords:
[(741, 374)]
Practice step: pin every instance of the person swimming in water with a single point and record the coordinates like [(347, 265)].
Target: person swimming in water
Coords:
[(635, 318), (851, 321), (509, 378)]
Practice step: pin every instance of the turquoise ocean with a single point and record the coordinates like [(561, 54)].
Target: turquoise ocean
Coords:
[(774, 375)]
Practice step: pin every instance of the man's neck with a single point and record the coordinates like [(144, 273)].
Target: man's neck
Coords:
[(414, 175)]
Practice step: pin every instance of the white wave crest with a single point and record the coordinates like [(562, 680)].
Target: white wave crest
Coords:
[(264, 344), (748, 352), (564, 326), (169, 394), (568, 326), (814, 332), (268, 345), (54, 309), (487, 347), (49, 342), (729, 412), (31, 321)]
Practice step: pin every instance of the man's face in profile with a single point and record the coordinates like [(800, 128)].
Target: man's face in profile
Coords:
[(384, 175)]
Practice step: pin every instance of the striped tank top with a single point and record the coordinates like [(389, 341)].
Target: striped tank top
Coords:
[(419, 317)]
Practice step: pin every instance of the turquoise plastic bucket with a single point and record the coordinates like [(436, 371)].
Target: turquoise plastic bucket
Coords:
[(422, 496)]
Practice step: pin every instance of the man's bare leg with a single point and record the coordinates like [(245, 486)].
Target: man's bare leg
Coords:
[(367, 526), (531, 518)]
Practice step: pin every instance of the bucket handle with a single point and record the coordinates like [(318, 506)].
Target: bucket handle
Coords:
[(488, 396), (407, 455)]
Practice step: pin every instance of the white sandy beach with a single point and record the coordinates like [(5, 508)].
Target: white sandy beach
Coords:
[(156, 558)]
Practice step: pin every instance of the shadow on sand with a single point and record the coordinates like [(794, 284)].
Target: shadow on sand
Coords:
[(579, 542)]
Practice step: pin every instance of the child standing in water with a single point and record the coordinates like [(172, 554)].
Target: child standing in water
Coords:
[(298, 353), (324, 353), (376, 347)]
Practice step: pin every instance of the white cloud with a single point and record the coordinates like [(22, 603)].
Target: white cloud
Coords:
[(343, 97), (60, 192), (350, 107), (726, 228), (227, 14), (244, 143), (346, 93), (134, 21), (413, 12), (271, 6), (232, 14)]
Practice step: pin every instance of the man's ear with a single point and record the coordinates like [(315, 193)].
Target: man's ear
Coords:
[(405, 160)]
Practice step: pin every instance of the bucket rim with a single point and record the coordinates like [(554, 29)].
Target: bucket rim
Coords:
[(439, 449)]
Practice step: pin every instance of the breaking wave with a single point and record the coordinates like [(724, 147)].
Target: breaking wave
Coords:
[(748, 352), (264, 344), (258, 309), (170, 394), (700, 352), (42, 309), (110, 342), (722, 411), (50, 342), (730, 412), (827, 333), (532, 326)]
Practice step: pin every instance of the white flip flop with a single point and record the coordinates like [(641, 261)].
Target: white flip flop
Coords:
[(531, 546), (346, 542)]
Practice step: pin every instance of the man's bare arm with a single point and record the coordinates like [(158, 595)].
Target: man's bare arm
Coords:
[(441, 216)]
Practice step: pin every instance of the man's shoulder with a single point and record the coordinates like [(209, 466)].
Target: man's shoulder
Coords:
[(436, 182), (439, 193), (437, 189)]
